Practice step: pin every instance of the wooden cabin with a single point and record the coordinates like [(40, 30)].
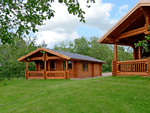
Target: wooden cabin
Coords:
[(55, 64), (130, 29)]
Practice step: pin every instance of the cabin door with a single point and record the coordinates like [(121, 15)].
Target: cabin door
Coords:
[(52, 68)]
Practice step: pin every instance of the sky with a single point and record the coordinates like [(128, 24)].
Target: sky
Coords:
[(99, 19)]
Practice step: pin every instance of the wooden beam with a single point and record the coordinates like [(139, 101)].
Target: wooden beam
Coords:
[(132, 33), (56, 78), (115, 52), (36, 58), (112, 40), (24, 60), (53, 57)]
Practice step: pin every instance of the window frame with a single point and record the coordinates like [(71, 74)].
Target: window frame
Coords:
[(71, 65), (64, 65), (83, 68), (54, 65)]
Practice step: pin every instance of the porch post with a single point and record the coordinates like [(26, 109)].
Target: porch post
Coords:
[(115, 52), (133, 52), (139, 51), (148, 66), (149, 49), (26, 73), (114, 69), (45, 70), (45, 75), (67, 74)]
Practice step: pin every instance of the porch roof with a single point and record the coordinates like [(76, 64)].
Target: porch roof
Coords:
[(132, 20)]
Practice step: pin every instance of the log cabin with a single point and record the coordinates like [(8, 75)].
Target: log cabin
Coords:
[(55, 64), (130, 29)]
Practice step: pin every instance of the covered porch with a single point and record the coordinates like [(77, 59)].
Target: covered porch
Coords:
[(49, 65), (130, 29), (140, 65), (47, 70)]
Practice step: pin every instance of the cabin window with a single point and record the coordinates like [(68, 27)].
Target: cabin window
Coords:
[(85, 66), (52, 65), (42, 65), (64, 65), (69, 64)]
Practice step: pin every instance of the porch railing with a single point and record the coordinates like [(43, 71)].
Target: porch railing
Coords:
[(65, 74), (41, 75), (131, 67), (36, 74)]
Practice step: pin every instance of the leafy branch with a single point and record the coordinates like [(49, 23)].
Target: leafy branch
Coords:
[(18, 18), (144, 43)]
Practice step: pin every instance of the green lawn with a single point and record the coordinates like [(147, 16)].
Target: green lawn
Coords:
[(97, 95)]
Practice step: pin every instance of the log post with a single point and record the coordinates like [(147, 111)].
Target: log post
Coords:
[(67, 74), (45, 57), (26, 73), (114, 69), (133, 52), (115, 52), (148, 67), (149, 49), (139, 52), (100, 69)]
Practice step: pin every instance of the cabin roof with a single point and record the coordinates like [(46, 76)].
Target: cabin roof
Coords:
[(130, 21), (65, 55), (77, 56)]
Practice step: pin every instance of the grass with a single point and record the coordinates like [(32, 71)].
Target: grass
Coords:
[(97, 95)]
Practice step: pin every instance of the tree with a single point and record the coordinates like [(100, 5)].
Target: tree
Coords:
[(18, 18), (9, 66)]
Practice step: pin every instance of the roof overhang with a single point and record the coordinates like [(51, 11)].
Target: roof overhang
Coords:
[(121, 25)]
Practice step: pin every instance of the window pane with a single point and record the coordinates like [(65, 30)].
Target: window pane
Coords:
[(64, 65), (85, 66), (69, 64), (52, 65)]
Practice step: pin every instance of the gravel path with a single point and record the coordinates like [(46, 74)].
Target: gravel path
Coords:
[(103, 75)]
